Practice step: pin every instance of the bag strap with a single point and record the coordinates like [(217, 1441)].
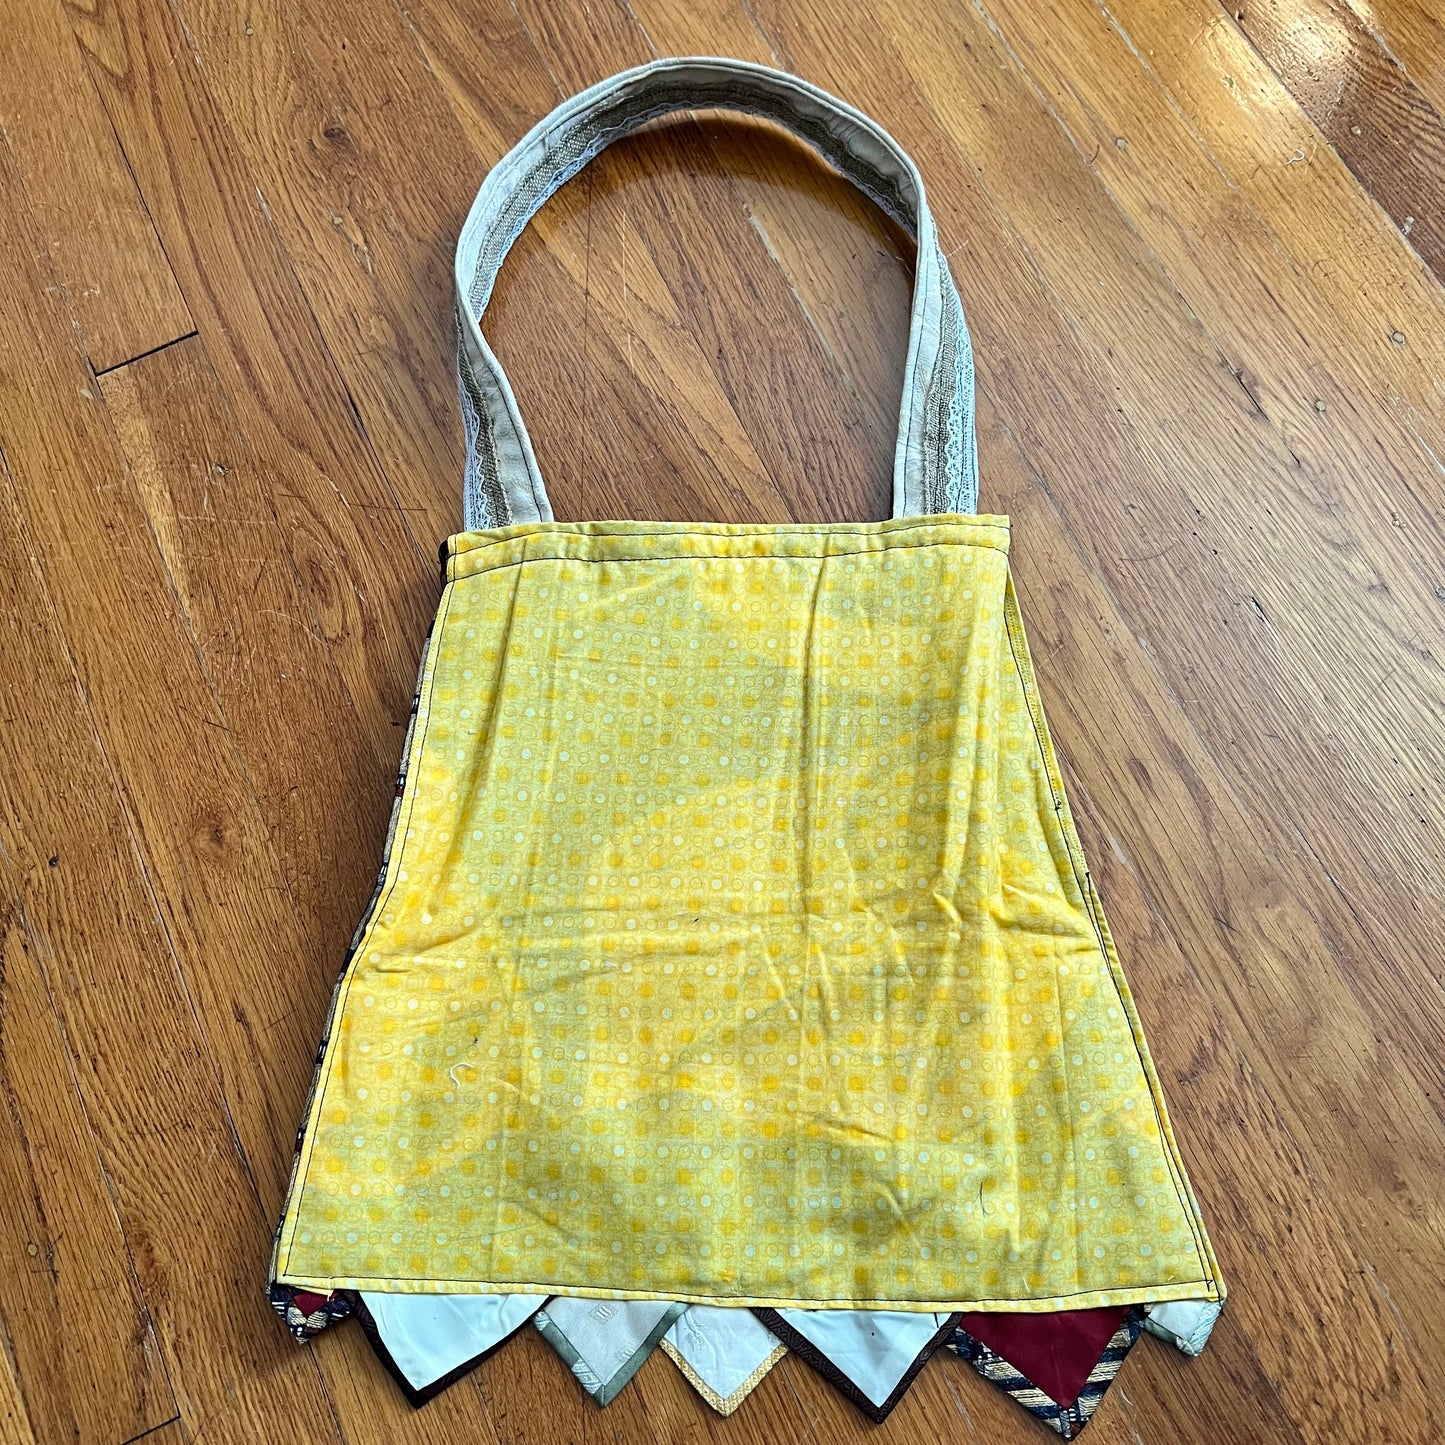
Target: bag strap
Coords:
[(935, 461)]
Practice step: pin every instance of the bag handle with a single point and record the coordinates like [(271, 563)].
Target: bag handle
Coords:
[(935, 462)]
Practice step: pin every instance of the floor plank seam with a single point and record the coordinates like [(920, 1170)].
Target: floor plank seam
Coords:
[(141, 356), (151, 1430)]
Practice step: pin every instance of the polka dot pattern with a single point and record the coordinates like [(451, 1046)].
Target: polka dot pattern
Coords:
[(735, 945)]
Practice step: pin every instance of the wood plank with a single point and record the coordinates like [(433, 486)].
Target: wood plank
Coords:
[(307, 513), (359, 64), (186, 1203), (1107, 259), (847, 264), (656, 433), (543, 293), (712, 316), (85, 1361), (1377, 285), (1413, 34), (14, 1421), (125, 936), (373, 586), (987, 305), (87, 210), (1290, 348), (647, 378), (319, 773), (1366, 107), (641, 335), (1301, 362), (346, 239), (206, 848)]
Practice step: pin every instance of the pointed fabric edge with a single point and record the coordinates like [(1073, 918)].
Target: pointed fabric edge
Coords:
[(1185, 1324), (812, 1356), (722, 1353), (1055, 1353), (417, 1396), (1067, 1421), (305, 1313), (724, 1406), (604, 1391)]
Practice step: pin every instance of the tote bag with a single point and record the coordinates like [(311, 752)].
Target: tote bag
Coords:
[(734, 946)]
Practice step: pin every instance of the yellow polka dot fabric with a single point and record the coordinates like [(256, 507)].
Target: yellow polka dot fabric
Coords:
[(735, 945)]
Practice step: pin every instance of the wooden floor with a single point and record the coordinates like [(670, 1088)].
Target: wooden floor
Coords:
[(1198, 248)]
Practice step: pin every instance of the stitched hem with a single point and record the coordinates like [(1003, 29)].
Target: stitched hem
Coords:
[(395, 841), (1043, 1304), (1093, 905), (464, 554)]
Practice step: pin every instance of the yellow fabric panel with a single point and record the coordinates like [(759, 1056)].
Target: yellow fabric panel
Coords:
[(735, 946)]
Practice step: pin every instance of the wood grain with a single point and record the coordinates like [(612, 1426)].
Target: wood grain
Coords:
[(1412, 32), (14, 1421), (86, 1361), (372, 583), (259, 637), (84, 202), (1365, 105), (78, 555), (1209, 398), (1316, 209)]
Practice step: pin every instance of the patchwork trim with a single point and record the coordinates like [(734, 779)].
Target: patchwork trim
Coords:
[(812, 1356), (1065, 1420), (604, 1391), (721, 1405), (416, 1395), (306, 1312)]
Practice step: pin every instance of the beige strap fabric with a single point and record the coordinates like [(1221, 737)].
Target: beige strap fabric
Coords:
[(935, 461)]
